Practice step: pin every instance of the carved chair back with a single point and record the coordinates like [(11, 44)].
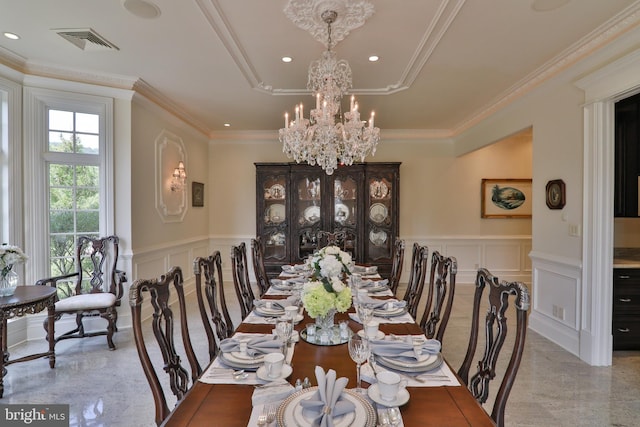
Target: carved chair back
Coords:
[(419, 263), (159, 291), (81, 293), (241, 281), (495, 328), (442, 287), (257, 252), (397, 261), (211, 300)]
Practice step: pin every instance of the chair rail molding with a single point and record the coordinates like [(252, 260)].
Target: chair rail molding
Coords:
[(169, 151)]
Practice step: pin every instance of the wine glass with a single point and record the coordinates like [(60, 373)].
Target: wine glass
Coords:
[(359, 353), (284, 330), (364, 312)]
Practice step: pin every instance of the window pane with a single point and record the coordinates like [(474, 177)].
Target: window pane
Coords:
[(61, 222), (89, 123), (62, 245), (88, 221), (61, 142), (61, 198), (87, 176), (88, 144), (60, 120), (61, 175), (88, 199)]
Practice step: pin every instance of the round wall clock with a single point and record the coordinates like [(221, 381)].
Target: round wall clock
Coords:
[(555, 194)]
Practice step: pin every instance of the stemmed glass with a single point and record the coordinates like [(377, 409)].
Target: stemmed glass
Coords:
[(359, 353), (284, 330), (365, 313)]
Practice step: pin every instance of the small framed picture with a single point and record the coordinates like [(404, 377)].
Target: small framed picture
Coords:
[(506, 198), (197, 194)]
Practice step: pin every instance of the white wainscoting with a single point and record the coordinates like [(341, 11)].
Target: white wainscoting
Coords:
[(146, 263), (555, 312), (505, 256)]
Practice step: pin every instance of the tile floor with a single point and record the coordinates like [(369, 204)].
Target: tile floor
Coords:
[(107, 388)]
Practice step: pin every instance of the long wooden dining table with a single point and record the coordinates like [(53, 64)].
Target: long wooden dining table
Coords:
[(230, 405)]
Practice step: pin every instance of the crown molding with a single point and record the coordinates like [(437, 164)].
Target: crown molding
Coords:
[(595, 40)]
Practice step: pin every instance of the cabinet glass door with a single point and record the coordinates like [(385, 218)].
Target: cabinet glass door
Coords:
[(274, 221), (307, 213), (379, 218), (345, 212)]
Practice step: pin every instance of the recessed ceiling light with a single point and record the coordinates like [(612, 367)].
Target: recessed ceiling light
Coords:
[(287, 59), (547, 5), (11, 36), (141, 8), (373, 58), (227, 125)]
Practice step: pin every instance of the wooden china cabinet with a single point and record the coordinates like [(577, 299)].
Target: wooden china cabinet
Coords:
[(298, 205)]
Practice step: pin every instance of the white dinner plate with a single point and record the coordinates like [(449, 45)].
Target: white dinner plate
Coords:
[(312, 214), (375, 287), (379, 335), (398, 311), (262, 373), (230, 360), (269, 312), (378, 213), (401, 398), (276, 213), (378, 238), (342, 212), (290, 412), (237, 355), (431, 362)]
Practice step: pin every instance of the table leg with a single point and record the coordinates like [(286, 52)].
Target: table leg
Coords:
[(51, 335)]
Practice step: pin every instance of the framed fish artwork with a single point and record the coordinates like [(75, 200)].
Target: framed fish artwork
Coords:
[(506, 198)]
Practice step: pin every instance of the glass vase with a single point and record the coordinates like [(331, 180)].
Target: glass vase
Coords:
[(8, 283), (325, 323)]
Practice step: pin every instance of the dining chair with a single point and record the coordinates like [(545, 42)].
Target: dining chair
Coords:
[(163, 329), (495, 330), (415, 286), (242, 285), (260, 271), (94, 289), (211, 300), (441, 291), (397, 260)]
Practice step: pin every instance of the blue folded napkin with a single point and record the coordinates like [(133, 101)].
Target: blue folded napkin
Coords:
[(277, 304), (255, 346), (404, 350), (373, 284), (327, 402), (380, 304)]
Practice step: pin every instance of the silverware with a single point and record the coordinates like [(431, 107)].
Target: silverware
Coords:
[(394, 416), (271, 414), (262, 418)]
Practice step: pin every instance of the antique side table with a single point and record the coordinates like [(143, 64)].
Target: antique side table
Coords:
[(26, 300)]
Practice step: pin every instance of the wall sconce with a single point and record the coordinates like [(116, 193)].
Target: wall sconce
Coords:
[(178, 178)]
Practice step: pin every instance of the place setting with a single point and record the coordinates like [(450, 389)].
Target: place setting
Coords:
[(414, 358), (267, 311), (327, 404), (251, 359)]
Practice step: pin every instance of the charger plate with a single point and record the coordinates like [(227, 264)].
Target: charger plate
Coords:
[(432, 362), (291, 414)]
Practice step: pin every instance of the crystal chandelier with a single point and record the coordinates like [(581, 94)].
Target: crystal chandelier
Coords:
[(329, 136)]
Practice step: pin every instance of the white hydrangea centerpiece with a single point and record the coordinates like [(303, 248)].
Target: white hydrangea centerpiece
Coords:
[(326, 290)]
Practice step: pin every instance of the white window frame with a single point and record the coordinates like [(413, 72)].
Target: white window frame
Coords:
[(37, 102), (11, 177)]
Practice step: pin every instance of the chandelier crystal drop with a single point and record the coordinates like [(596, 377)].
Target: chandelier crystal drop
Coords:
[(329, 136)]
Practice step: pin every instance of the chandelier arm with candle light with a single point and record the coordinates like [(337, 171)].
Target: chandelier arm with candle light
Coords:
[(329, 136)]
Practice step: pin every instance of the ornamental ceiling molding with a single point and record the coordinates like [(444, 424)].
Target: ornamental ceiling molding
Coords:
[(306, 14)]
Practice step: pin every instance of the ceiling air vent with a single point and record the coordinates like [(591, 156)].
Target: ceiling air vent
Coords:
[(86, 39)]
